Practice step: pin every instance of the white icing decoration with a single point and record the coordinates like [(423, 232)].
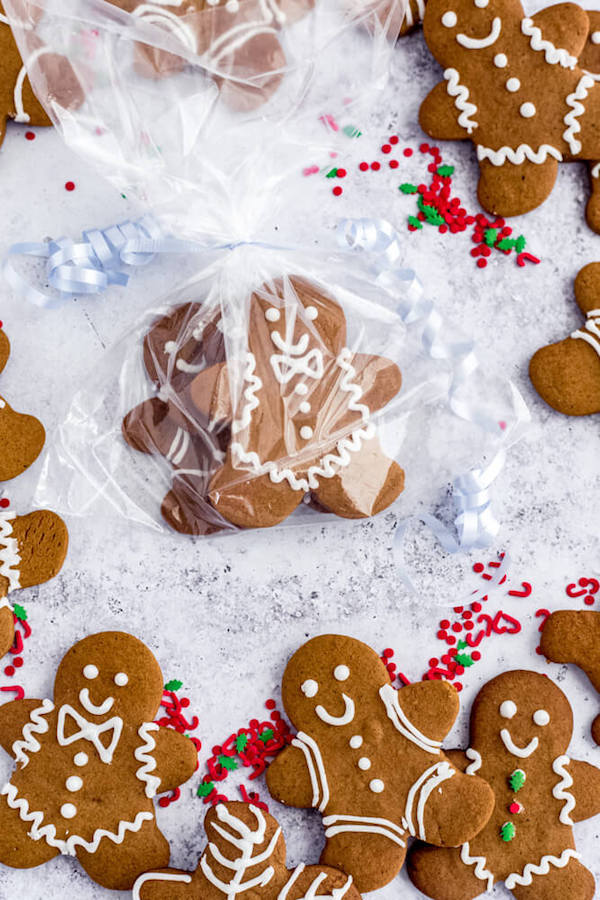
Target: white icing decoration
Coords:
[(528, 110), (89, 706), (81, 759), (408, 15), (517, 157), (595, 37), (521, 752), (363, 824), (541, 717), (21, 115), (481, 4), (179, 446), (356, 741), (231, 41), (542, 868), (311, 893), (121, 679), (68, 810), (10, 558), (294, 358), (318, 778), (591, 335), (461, 100), (309, 687), (158, 876), (596, 168), (571, 120), (36, 725), (247, 840), (143, 754), (311, 312), (501, 60), (90, 672), (376, 785), (74, 783), (553, 54), (341, 673), (475, 765), (89, 731), (304, 407), (249, 395), (154, 15), (301, 389), (364, 763), (430, 779), (508, 709), (481, 43), (232, 6), (480, 863), (272, 314), (187, 367), (306, 432), (403, 723), (449, 19), (513, 85), (561, 790), (170, 347), (346, 717)]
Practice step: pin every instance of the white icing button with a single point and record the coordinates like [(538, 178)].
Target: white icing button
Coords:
[(596, 37), (508, 709), (376, 785), (305, 406), (513, 85), (121, 679), (80, 759), (482, 3), (301, 389), (528, 110), (90, 672), (232, 6), (449, 19), (311, 312), (501, 60), (355, 741), (170, 347), (272, 315), (541, 717), (309, 688), (364, 763), (340, 673), (306, 432), (74, 783), (67, 810)]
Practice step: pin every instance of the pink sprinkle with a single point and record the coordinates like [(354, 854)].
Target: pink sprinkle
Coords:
[(311, 170), (502, 425)]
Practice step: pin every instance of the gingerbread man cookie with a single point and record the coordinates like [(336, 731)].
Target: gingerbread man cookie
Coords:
[(303, 424), (521, 726), (573, 636), (89, 764), (567, 374), (513, 86), (369, 758), (245, 853), (32, 550), (21, 437)]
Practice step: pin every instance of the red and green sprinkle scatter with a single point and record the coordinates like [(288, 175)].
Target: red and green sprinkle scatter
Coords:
[(175, 718)]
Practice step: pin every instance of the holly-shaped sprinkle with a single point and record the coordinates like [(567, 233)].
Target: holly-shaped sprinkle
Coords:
[(515, 808), (407, 188), (445, 171), (431, 214), (206, 788), (491, 236), (228, 762), (517, 780), (332, 173), (241, 742), (415, 223), (266, 736), (464, 659), (508, 831), (20, 612), (173, 685)]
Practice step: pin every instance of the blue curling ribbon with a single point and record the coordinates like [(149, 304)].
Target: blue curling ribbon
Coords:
[(475, 525), (87, 266)]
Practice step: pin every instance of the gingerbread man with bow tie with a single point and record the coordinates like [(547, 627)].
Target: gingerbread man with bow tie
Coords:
[(89, 764)]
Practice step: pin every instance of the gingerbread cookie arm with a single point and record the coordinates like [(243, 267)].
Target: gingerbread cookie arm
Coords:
[(565, 26), (292, 777), (439, 116), (176, 758), (210, 394), (380, 379), (4, 341), (510, 189), (585, 789), (431, 706), (7, 628), (587, 284), (13, 718)]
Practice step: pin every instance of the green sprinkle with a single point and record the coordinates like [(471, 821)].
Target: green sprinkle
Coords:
[(266, 736), (415, 223), (446, 171), (461, 645), (351, 131), (241, 742), (173, 685), (431, 214), (20, 612), (506, 244), (228, 762), (520, 244), (332, 173), (517, 780), (508, 831), (464, 659), (491, 236), (408, 188), (206, 788)]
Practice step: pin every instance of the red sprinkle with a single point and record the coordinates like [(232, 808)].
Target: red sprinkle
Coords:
[(341, 173), (30, 135), (363, 166), (394, 139), (375, 166), (70, 186), (386, 148), (394, 163), (4, 502), (407, 152), (337, 191)]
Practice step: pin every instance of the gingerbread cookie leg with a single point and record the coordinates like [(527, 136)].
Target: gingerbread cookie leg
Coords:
[(512, 190), (573, 881), (241, 499), (438, 872), (369, 484), (168, 884), (116, 866), (380, 859), (17, 849)]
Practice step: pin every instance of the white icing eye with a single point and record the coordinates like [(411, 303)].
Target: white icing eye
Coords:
[(449, 19), (341, 673), (481, 4), (272, 315), (80, 759), (501, 60), (305, 406), (306, 432), (376, 785), (67, 810), (301, 389), (595, 37), (121, 679), (309, 688), (232, 6), (541, 717), (513, 85), (90, 672), (355, 741), (311, 312), (508, 709), (364, 763), (528, 110), (74, 783)]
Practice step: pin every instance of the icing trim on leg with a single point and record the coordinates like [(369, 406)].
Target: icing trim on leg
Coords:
[(480, 863), (591, 334), (542, 868), (371, 825)]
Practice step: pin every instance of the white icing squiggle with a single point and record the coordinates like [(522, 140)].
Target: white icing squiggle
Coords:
[(571, 120), (517, 157), (542, 868), (475, 765), (10, 558), (403, 724), (481, 43), (591, 335), (311, 892), (247, 840), (249, 395), (561, 790), (364, 824), (553, 54), (409, 19), (143, 755), (154, 15), (318, 778), (36, 725), (461, 100), (480, 863), (150, 877)]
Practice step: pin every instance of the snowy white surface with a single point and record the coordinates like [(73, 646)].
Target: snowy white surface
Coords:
[(223, 615)]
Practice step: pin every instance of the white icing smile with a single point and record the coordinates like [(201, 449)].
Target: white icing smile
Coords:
[(522, 752), (344, 719), (84, 699), (481, 43)]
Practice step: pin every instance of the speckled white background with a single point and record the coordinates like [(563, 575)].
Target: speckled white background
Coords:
[(223, 615)]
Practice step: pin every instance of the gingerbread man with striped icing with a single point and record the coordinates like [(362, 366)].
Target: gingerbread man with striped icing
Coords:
[(567, 374), (513, 86), (521, 726), (303, 422), (369, 758), (89, 764), (245, 856)]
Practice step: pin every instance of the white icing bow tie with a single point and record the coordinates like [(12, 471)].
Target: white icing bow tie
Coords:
[(89, 731), (285, 366)]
